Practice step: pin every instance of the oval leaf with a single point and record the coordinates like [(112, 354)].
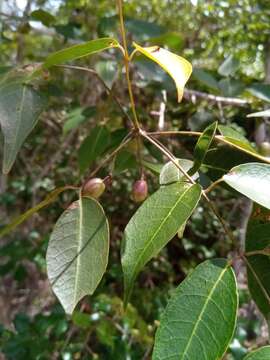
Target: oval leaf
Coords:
[(202, 146), (177, 67), (200, 317), (20, 107), (261, 354), (170, 173), (77, 254), (258, 269), (154, 224), (78, 51), (251, 180)]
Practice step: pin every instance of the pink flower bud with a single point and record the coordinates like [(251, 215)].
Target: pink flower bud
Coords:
[(140, 190), (94, 188)]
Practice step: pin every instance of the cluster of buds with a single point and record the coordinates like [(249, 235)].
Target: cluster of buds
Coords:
[(95, 187)]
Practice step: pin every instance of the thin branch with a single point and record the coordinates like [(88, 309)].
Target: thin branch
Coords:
[(126, 63), (125, 141), (108, 90), (188, 94), (219, 138)]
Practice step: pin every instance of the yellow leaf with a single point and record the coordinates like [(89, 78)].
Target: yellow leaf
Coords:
[(176, 66)]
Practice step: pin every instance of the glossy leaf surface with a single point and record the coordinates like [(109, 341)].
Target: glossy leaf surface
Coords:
[(154, 225), (251, 180), (200, 318)]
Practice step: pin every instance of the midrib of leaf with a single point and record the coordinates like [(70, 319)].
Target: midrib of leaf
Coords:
[(202, 311), (158, 229), (20, 116), (80, 240)]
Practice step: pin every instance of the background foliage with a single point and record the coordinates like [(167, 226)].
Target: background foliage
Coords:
[(228, 45)]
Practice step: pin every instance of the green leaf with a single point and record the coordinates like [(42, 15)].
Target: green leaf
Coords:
[(170, 173), (153, 225), (200, 317), (43, 16), (124, 160), (154, 167), (176, 66), (107, 70), (202, 146), (251, 180), (262, 353), (229, 66), (78, 51), (231, 87), (258, 238), (20, 107), (77, 254), (206, 78), (50, 198), (93, 146), (265, 113), (261, 91)]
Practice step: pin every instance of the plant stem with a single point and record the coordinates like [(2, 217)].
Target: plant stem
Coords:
[(126, 63), (171, 157)]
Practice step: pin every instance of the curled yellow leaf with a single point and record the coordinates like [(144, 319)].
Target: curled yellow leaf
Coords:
[(177, 67)]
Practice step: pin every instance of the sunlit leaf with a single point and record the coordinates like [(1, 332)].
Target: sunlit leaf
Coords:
[(251, 180), (77, 254), (176, 66), (265, 113), (146, 235), (200, 317)]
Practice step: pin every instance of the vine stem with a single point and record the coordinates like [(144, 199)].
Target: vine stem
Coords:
[(126, 63), (171, 157)]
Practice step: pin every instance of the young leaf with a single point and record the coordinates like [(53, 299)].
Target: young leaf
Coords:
[(200, 317), (251, 180), (262, 353), (20, 107), (258, 238), (154, 224), (170, 173), (77, 254), (176, 66), (93, 146), (202, 146), (50, 198), (78, 51)]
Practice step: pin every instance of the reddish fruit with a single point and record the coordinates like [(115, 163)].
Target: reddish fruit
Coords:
[(140, 190), (94, 188)]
